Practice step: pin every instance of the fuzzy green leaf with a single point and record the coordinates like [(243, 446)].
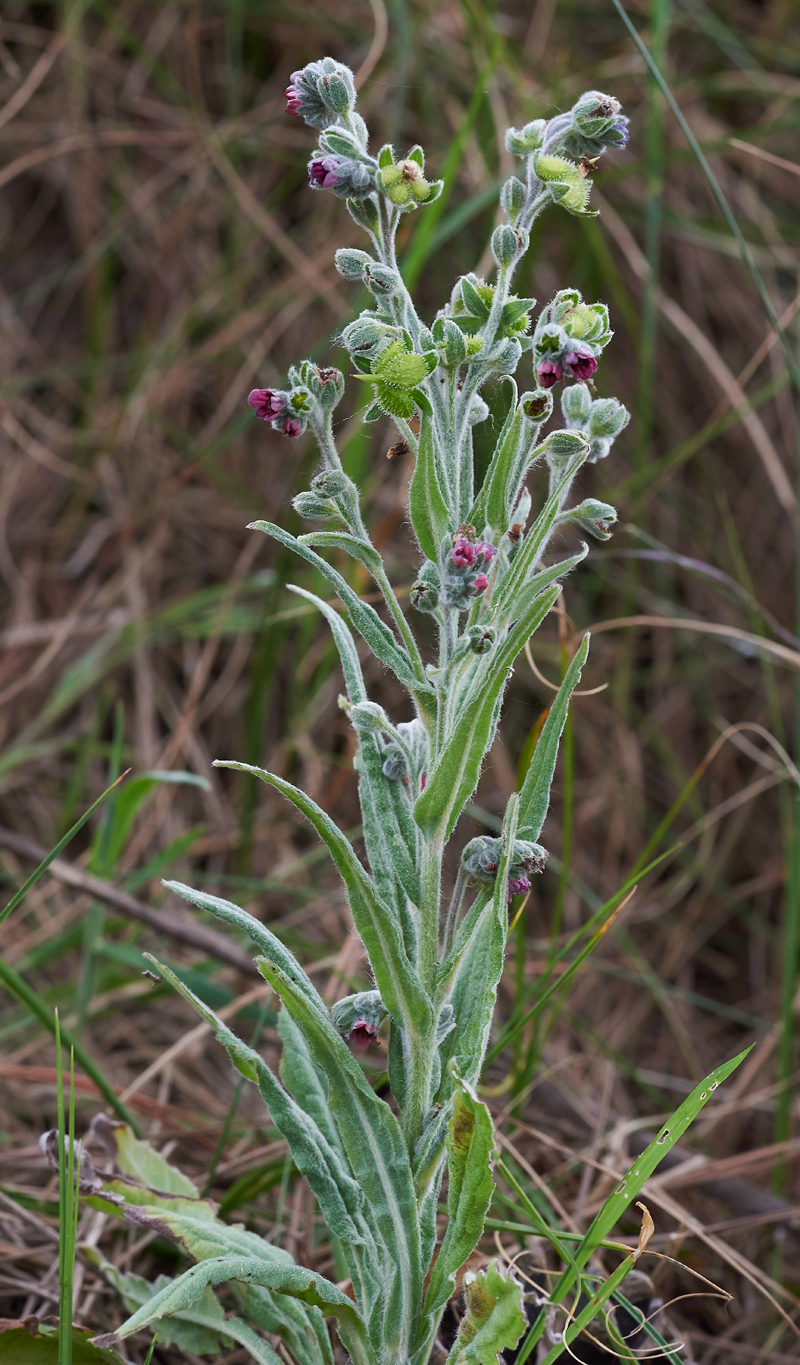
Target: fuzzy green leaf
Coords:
[(456, 771), (489, 508), (18, 1347), (395, 977), (493, 1321), (535, 793), (366, 620), (181, 1293), (263, 937), (374, 1146), (470, 1144), (339, 540), (136, 1158), (338, 1194), (429, 513)]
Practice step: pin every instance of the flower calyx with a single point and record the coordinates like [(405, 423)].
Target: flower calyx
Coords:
[(403, 182), (482, 856), (358, 1017)]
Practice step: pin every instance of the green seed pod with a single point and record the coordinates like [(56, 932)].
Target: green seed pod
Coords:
[(425, 591), (607, 417), (331, 483), (327, 386), (562, 443), (481, 639)]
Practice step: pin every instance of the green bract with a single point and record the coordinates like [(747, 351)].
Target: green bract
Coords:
[(487, 576)]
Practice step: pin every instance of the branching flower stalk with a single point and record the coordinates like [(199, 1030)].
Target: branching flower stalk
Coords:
[(375, 1166)]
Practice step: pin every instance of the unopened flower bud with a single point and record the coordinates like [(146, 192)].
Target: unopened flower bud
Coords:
[(523, 141), (563, 443), (595, 517), (576, 404), (314, 508), (512, 197), (506, 245), (331, 483), (347, 178), (369, 717), (425, 591), (381, 280), (340, 95), (481, 639), (320, 90), (607, 418), (351, 264), (291, 427)]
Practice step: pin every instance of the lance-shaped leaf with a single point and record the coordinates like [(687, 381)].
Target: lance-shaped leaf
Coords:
[(263, 937), (493, 1321), (534, 798), (366, 620), (474, 988), (388, 854), (536, 539), (375, 1149), (395, 978), (201, 1328), (457, 769), (470, 1144), (339, 1196), (303, 1284), (489, 508), (429, 513), (361, 550), (302, 1079), (541, 580)]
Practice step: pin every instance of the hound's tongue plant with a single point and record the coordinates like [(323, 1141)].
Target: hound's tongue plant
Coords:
[(376, 1166)]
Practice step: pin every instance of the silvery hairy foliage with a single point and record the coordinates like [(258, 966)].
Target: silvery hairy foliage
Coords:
[(485, 576)]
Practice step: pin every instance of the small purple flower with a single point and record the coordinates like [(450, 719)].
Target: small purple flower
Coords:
[(362, 1033), (463, 555), (293, 102), (323, 172), (549, 373), (579, 366), (292, 427), (518, 886), (266, 403)]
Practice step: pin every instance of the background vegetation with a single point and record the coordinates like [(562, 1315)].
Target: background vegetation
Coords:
[(161, 254)]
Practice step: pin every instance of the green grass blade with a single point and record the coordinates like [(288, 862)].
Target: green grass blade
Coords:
[(62, 843), (744, 249)]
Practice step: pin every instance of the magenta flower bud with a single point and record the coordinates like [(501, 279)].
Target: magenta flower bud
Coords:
[(362, 1033), (549, 373), (322, 171), (266, 403), (463, 555), (579, 366), (480, 583), (518, 886), (292, 427), (484, 548), (293, 105)]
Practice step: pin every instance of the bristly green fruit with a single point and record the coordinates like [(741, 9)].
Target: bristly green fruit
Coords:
[(436, 952)]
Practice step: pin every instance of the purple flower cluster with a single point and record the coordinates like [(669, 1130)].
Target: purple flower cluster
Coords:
[(576, 365), (270, 405), (468, 556)]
